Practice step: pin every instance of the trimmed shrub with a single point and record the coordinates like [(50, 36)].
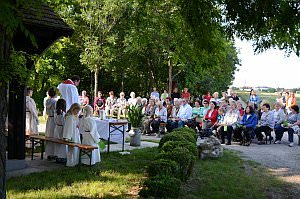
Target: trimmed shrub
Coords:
[(161, 187), (171, 137), (184, 158), (187, 135), (163, 167), (187, 130), (169, 146)]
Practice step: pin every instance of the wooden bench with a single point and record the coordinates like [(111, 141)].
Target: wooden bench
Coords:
[(39, 139)]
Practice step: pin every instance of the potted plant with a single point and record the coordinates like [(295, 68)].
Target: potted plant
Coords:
[(135, 117)]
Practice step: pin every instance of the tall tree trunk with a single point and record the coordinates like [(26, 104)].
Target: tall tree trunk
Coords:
[(170, 76), (96, 81), (5, 44)]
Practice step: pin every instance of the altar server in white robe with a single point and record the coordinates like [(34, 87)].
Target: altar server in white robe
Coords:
[(90, 136), (69, 92), (60, 150), (71, 133), (50, 124), (32, 120)]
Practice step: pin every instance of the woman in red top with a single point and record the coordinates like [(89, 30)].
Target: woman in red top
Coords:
[(211, 116)]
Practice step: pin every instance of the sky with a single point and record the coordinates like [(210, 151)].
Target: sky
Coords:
[(271, 68)]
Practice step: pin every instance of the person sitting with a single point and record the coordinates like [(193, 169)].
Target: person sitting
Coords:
[(121, 105), (150, 110), (164, 95), (196, 119), (84, 99), (169, 106), (99, 103), (184, 114), (109, 104), (216, 98), (160, 116), (229, 124), (290, 102), (216, 127), (266, 123), (144, 105), (293, 120), (211, 116), (279, 118), (175, 109), (240, 108), (204, 109), (132, 99), (247, 126), (224, 105)]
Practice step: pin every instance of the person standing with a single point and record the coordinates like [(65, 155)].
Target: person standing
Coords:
[(175, 94), (253, 98), (60, 150), (69, 92), (185, 94), (32, 120), (90, 136), (50, 124), (154, 94), (71, 133)]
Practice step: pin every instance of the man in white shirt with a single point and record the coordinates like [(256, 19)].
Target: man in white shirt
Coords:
[(69, 92), (185, 113)]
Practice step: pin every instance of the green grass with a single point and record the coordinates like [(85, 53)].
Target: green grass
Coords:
[(116, 176), (231, 177), (120, 176), (266, 97)]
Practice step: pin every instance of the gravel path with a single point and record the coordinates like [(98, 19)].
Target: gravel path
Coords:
[(280, 159)]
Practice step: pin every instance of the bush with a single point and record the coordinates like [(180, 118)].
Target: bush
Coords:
[(163, 167), (161, 187), (169, 146), (191, 137), (176, 136), (184, 158)]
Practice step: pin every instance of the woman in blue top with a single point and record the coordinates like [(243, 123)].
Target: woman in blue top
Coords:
[(253, 98), (247, 126)]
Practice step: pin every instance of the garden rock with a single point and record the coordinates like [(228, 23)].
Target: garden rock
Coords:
[(209, 148)]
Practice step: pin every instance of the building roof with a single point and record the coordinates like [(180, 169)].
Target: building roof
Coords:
[(43, 16)]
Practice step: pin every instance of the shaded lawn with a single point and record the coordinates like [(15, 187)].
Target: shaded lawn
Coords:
[(116, 176), (231, 177), (120, 176)]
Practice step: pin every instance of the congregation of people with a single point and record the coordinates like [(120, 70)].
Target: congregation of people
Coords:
[(69, 117)]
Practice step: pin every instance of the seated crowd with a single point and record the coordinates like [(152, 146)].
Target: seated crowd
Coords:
[(224, 117)]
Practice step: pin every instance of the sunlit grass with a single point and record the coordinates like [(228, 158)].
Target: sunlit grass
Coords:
[(231, 177), (114, 177), (120, 176)]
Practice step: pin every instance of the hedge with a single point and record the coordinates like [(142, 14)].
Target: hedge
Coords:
[(169, 146), (161, 187)]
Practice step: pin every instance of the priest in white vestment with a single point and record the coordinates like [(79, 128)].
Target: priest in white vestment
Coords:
[(69, 92), (90, 136)]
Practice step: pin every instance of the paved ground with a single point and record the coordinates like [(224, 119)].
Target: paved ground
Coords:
[(280, 159), (37, 165)]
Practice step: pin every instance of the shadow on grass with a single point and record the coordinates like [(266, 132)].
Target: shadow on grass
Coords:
[(114, 170)]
